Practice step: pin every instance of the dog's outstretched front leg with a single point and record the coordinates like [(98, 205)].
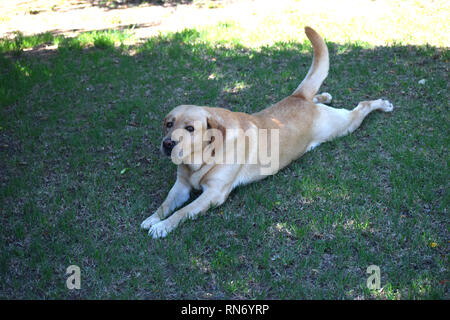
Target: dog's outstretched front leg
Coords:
[(210, 196), (177, 196)]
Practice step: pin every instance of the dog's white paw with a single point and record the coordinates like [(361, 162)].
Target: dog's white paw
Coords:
[(327, 97), (384, 105), (159, 230), (147, 223), (324, 97)]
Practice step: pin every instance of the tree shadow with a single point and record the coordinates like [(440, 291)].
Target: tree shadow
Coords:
[(117, 4), (289, 59)]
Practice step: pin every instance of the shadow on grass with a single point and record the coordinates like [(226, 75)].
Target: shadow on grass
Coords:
[(113, 4), (104, 4), (79, 140)]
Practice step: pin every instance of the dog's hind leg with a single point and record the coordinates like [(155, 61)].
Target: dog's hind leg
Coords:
[(364, 108), (324, 97), (333, 122)]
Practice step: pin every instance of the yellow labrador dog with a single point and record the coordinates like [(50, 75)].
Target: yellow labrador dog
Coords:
[(285, 130)]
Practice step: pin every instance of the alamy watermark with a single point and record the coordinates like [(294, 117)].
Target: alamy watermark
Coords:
[(74, 280), (229, 146), (374, 280)]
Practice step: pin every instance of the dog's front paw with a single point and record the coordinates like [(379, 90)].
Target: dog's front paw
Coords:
[(159, 230), (147, 223), (384, 105)]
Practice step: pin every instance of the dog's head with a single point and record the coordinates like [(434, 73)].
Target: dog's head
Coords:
[(188, 130)]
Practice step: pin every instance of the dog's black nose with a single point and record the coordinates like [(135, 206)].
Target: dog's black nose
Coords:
[(168, 145)]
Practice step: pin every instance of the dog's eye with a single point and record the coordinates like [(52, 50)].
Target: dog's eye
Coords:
[(190, 128), (169, 124)]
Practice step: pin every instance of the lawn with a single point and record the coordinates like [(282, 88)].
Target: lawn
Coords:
[(80, 169)]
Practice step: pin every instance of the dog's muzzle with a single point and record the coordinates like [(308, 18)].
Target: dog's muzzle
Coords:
[(167, 146)]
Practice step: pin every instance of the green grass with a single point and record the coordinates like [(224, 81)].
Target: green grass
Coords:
[(73, 119), (99, 39)]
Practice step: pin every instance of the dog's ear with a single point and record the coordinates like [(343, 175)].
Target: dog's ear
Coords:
[(213, 123)]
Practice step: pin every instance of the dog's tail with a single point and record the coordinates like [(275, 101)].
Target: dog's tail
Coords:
[(319, 68)]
